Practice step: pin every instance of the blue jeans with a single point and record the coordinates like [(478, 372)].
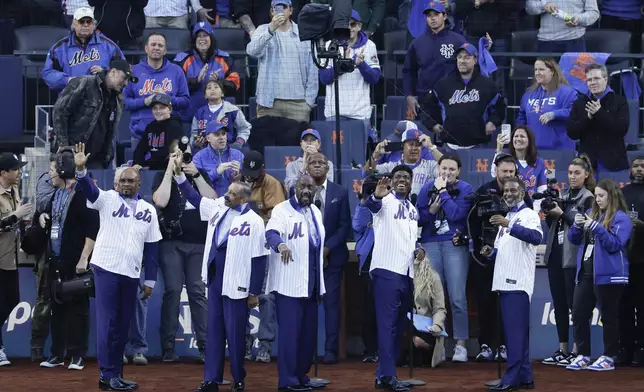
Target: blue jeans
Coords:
[(136, 335), (267, 319), (452, 264)]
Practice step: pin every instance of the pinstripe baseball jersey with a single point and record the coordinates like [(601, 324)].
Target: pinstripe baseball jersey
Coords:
[(123, 233), (395, 233), (516, 259), (246, 239), (292, 279)]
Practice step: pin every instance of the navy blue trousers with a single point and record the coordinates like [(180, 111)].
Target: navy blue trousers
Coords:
[(333, 286), (115, 303), (515, 311), (297, 320), (392, 296)]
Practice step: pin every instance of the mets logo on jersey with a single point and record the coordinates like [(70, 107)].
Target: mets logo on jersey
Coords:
[(81, 57), (447, 51), (213, 219)]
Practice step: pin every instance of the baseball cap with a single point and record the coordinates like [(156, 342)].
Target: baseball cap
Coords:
[(9, 161), (435, 5), (83, 12), (311, 132), (355, 16), (405, 125), (122, 65), (253, 164), (214, 127), (469, 48), (283, 2), (163, 99), (411, 134), (205, 26)]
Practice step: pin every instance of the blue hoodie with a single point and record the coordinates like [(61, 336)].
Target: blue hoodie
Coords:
[(610, 262), (627, 9), (170, 78), (534, 103), (68, 58), (454, 209), (208, 159), (361, 223)]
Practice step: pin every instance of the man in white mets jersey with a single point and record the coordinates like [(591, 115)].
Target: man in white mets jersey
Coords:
[(395, 228), (515, 254), (233, 268), (129, 230), (296, 234)]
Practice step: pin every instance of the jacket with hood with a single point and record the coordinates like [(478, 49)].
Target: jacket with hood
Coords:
[(154, 148), (121, 20), (228, 114), (209, 159)]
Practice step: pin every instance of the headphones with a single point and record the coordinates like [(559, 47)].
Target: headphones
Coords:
[(505, 156), (65, 165)]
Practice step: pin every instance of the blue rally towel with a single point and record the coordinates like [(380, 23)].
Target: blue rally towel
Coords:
[(486, 62), (573, 66)]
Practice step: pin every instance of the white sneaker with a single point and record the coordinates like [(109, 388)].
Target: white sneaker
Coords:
[(4, 361), (139, 359), (460, 354)]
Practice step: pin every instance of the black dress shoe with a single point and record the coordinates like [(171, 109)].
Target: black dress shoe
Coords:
[(295, 388), (638, 358), (208, 386), (493, 383), (315, 385), (527, 385), (129, 383), (238, 386), (392, 384), (113, 384), (502, 388)]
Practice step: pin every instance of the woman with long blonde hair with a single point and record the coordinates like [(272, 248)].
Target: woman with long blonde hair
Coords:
[(602, 234)]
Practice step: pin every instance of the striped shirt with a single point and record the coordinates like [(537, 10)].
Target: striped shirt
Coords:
[(553, 28), (70, 6), (424, 171), (172, 8)]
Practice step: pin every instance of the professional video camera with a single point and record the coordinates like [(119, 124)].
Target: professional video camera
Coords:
[(551, 196), (369, 184), (183, 146), (488, 204)]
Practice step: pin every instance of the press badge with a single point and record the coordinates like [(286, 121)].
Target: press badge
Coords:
[(55, 231), (442, 226), (589, 251), (560, 237)]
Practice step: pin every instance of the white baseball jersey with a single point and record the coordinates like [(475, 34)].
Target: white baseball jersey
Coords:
[(292, 279), (355, 92), (395, 232), (516, 260), (123, 233), (246, 240), (424, 172)]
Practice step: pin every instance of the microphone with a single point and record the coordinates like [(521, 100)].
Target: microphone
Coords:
[(413, 198), (318, 204)]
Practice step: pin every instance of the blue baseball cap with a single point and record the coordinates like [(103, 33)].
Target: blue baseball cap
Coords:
[(405, 125), (311, 132), (205, 26), (411, 134), (214, 127), (469, 48), (282, 2), (435, 5), (355, 16)]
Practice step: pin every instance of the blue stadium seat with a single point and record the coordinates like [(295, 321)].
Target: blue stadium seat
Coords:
[(632, 136), (277, 157), (147, 178), (352, 181), (177, 40), (353, 140), (621, 178), (279, 174), (128, 154), (252, 108), (104, 178), (396, 108), (318, 113), (124, 136), (230, 100), (634, 154)]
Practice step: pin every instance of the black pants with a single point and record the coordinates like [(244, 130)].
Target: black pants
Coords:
[(562, 288), (41, 319), (631, 331), (9, 295), (587, 294), (369, 333), (632, 25), (70, 327), (490, 328)]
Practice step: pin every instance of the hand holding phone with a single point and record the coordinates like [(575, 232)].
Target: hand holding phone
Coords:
[(393, 147), (506, 131)]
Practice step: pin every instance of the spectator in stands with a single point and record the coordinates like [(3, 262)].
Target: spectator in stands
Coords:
[(532, 170), (287, 79), (89, 109), (205, 62), (122, 21), (395, 156), (221, 11), (83, 52), (181, 254), (11, 211), (164, 131), (563, 23), (623, 15), (424, 170), (370, 13), (545, 107), (157, 76), (600, 121), (470, 104), (173, 13), (70, 7), (442, 210), (72, 229), (602, 234), (311, 142), (561, 254), (354, 87), (220, 111), (498, 18), (218, 159)]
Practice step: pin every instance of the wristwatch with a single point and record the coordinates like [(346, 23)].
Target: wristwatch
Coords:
[(197, 175)]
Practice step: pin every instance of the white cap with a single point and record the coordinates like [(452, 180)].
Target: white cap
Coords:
[(405, 125), (83, 12)]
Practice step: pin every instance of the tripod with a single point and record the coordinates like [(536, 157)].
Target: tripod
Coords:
[(411, 380), (315, 379)]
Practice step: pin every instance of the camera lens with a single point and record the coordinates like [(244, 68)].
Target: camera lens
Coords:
[(187, 157)]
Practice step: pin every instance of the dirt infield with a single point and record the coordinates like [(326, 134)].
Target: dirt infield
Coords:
[(23, 376)]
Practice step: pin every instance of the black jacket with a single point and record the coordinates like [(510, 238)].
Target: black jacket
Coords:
[(154, 148), (120, 20), (603, 136), (498, 18), (466, 108)]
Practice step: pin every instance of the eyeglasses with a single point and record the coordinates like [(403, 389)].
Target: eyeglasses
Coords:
[(86, 21)]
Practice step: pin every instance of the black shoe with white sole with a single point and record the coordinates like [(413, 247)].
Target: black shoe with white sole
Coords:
[(52, 362), (555, 358), (77, 363), (567, 360)]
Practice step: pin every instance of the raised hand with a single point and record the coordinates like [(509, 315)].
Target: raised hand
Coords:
[(80, 159), (383, 187)]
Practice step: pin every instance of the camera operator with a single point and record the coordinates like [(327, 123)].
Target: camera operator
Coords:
[(561, 254), (11, 211), (72, 229), (514, 253), (181, 253), (443, 209)]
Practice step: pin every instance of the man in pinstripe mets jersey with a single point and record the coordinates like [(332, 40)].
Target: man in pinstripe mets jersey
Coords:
[(515, 256), (129, 229), (296, 234), (395, 227), (233, 268)]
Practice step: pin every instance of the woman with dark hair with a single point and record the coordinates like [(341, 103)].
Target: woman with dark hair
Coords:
[(546, 106), (531, 169), (561, 253), (203, 62), (602, 272)]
